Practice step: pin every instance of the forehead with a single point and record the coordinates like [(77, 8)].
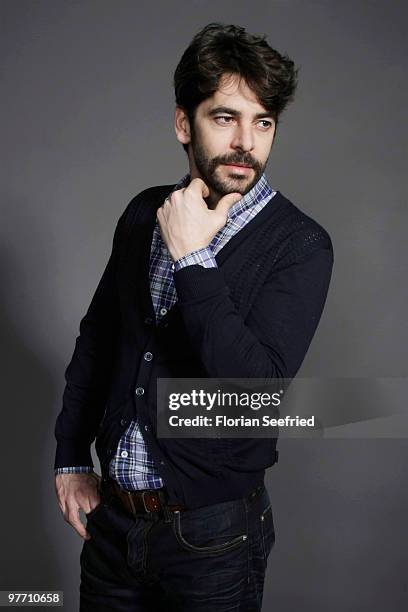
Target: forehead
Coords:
[(234, 92)]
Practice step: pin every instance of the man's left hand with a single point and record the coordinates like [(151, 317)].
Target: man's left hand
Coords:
[(186, 222)]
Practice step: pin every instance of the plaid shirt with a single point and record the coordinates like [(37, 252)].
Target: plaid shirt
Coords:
[(132, 466)]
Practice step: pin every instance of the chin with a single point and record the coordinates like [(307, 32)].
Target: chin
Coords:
[(233, 183)]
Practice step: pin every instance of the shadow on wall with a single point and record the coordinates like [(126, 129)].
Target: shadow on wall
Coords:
[(35, 540)]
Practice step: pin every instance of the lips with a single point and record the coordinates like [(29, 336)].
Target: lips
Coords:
[(239, 165)]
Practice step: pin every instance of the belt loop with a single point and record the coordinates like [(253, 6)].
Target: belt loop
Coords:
[(168, 516), (106, 490), (144, 502), (129, 494)]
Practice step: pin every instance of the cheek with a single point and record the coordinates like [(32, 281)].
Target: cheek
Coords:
[(216, 147), (216, 141), (263, 149)]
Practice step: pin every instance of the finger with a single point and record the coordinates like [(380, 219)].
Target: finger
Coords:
[(225, 203), (198, 186), (75, 522), (95, 501), (176, 192)]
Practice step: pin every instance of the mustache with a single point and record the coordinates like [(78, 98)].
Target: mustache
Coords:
[(246, 161)]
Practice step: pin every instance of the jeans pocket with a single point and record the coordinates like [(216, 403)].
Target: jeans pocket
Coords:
[(92, 513), (211, 534), (267, 532)]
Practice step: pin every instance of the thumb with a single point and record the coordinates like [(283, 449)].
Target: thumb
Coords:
[(226, 202)]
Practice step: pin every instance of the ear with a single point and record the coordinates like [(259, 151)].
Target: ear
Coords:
[(182, 126)]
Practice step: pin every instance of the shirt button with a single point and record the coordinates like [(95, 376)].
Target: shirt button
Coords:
[(163, 311), (148, 356), (123, 421), (124, 454), (172, 267), (139, 391)]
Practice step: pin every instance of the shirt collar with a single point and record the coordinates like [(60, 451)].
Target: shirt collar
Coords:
[(259, 192)]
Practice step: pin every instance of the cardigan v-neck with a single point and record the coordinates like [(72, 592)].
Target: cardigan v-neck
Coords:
[(271, 210)]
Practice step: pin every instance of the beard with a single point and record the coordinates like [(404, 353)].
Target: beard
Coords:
[(234, 183)]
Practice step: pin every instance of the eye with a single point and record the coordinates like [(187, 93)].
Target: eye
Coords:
[(268, 123), (227, 119)]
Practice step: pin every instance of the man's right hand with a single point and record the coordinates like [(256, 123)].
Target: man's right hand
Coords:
[(75, 492)]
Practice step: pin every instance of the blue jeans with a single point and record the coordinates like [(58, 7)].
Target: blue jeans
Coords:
[(210, 559)]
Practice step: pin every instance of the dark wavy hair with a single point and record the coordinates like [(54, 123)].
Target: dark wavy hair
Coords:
[(218, 49)]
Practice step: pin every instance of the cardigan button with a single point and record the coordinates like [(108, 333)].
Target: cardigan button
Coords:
[(139, 390)]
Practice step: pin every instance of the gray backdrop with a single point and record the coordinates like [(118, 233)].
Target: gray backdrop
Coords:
[(87, 122)]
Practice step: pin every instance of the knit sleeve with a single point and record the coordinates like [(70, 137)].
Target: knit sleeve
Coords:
[(274, 338), (88, 373)]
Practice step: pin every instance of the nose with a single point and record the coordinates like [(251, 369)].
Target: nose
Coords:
[(243, 138)]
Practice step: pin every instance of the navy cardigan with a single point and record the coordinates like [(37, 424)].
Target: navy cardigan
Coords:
[(252, 317)]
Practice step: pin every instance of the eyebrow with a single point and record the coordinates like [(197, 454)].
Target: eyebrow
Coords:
[(235, 113)]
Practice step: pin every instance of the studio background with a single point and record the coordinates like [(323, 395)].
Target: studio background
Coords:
[(87, 122)]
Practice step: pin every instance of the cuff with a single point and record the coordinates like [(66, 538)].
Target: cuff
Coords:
[(195, 283), (70, 453), (203, 257), (79, 469)]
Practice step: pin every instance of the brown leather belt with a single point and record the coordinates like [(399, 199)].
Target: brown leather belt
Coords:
[(142, 501)]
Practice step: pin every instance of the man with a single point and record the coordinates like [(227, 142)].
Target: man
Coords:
[(220, 276)]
